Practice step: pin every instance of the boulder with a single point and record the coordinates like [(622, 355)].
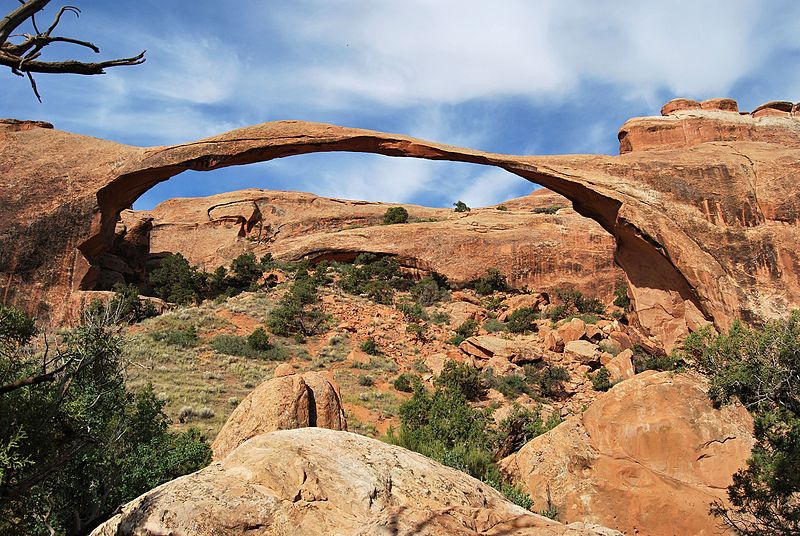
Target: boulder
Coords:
[(318, 482), (584, 352), (621, 366), (461, 311), (647, 457), (517, 350), (283, 403), (573, 330), (553, 341)]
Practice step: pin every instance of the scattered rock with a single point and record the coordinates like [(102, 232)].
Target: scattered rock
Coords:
[(621, 366), (573, 330), (584, 351)]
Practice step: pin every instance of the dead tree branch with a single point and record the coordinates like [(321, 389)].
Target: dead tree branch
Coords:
[(23, 57)]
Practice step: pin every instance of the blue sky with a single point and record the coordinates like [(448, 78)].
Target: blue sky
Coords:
[(512, 76)]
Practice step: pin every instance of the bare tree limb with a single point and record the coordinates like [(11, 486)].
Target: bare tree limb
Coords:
[(24, 57)]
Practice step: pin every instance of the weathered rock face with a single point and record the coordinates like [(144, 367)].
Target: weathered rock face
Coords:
[(282, 403), (314, 481), (648, 457), (703, 203), (532, 248)]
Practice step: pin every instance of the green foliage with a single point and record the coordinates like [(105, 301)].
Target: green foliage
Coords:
[(429, 291), (502, 207), (575, 300), (461, 378), (366, 381), (182, 338), (406, 382), (412, 311), (294, 314), (468, 328), (461, 206), (492, 325), (444, 426), (126, 304), (549, 379), (395, 215), (522, 425), (369, 346), (258, 340), (74, 443), (239, 346), (642, 360), (552, 209), (440, 317), (418, 331), (373, 276), (517, 496), (601, 380), (492, 281), (245, 272), (523, 319), (492, 303), (175, 280), (621, 298), (760, 368)]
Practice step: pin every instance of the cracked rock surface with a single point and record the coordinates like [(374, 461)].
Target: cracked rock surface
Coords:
[(647, 457), (314, 481)]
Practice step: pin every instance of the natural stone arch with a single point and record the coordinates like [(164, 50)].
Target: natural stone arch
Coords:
[(684, 204)]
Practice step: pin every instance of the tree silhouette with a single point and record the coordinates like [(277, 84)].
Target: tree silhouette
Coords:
[(23, 57)]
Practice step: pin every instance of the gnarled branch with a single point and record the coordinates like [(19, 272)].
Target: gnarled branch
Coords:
[(24, 57)]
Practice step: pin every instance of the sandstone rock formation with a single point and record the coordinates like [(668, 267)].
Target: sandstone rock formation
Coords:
[(703, 203), (647, 457), (282, 403), (314, 481), (531, 247)]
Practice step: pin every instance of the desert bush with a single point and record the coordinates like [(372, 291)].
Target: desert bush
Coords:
[(759, 367), (428, 291), (492, 281), (294, 314), (175, 280), (239, 346), (460, 206), (522, 320), (440, 317), (621, 298), (412, 311), (406, 382), (492, 325), (548, 379), (258, 340), (183, 338), (462, 378), (468, 328), (366, 380), (601, 380), (395, 215), (418, 331), (369, 346)]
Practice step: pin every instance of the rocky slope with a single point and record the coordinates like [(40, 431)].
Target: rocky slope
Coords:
[(314, 481), (648, 457), (702, 203), (531, 247)]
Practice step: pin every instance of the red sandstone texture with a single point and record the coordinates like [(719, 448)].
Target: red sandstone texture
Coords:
[(533, 249), (703, 204)]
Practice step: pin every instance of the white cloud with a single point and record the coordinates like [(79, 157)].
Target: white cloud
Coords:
[(492, 187)]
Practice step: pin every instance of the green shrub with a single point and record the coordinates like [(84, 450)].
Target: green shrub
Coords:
[(601, 380), (521, 426), (492, 281), (759, 367), (369, 346), (461, 206), (547, 210), (462, 378), (492, 303), (621, 298), (395, 215), (175, 280), (492, 325), (258, 340), (574, 301), (512, 385), (522, 320), (418, 331), (245, 272), (467, 329), (642, 360), (293, 315), (549, 379), (75, 445), (517, 496), (239, 346), (440, 317), (406, 382), (128, 307), (427, 292), (502, 207), (373, 276), (412, 311), (366, 381), (183, 338)]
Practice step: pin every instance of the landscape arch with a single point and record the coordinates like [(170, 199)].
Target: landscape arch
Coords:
[(682, 218)]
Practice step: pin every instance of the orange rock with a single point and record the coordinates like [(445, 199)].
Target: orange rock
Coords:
[(647, 457), (282, 403), (573, 330), (621, 366)]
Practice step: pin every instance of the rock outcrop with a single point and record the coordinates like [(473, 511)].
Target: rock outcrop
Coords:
[(647, 457), (531, 244), (314, 481), (283, 403), (703, 204)]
